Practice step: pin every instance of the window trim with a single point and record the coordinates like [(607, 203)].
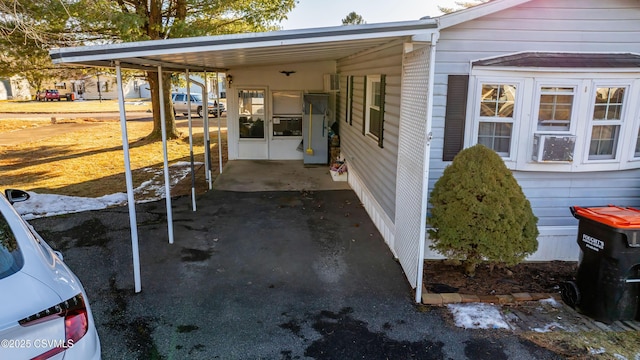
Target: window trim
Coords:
[(593, 123), (475, 111), (369, 104), (575, 106)]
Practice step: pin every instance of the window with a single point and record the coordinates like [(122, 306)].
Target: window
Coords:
[(496, 117), (548, 121), (251, 114), (637, 151), (349, 104), (374, 107), (555, 109), (287, 113), (607, 119), (11, 260)]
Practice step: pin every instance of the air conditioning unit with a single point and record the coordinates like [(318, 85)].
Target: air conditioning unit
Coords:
[(331, 82), (553, 148)]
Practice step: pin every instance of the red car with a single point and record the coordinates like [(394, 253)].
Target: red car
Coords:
[(48, 95)]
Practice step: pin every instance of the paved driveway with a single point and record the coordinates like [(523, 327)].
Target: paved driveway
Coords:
[(260, 275)]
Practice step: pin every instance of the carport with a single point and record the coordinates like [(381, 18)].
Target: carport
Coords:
[(282, 48)]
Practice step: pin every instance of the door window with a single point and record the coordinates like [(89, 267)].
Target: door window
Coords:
[(251, 117)]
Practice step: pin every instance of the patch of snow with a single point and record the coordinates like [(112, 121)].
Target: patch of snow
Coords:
[(620, 357), (477, 316), (551, 301), (549, 327), (597, 351), (43, 205)]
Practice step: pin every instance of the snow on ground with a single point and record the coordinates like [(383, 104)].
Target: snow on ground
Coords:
[(43, 205), (477, 316)]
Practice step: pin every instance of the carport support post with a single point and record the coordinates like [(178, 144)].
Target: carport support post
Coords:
[(207, 137), (163, 128), (129, 181), (193, 171), (217, 92)]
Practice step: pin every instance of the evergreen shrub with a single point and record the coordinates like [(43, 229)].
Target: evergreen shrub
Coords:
[(479, 212)]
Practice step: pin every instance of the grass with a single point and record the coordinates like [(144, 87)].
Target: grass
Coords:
[(590, 344), (89, 162), (63, 106)]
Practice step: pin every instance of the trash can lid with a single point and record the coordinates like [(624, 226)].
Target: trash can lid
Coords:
[(614, 216)]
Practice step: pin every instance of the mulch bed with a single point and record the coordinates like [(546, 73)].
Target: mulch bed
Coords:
[(530, 277)]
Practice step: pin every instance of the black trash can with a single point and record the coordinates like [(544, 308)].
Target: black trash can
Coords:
[(608, 278)]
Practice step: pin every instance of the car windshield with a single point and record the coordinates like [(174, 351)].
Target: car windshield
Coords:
[(10, 256), (195, 97)]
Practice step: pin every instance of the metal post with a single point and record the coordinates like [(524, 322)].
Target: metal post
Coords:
[(129, 181), (217, 91), (207, 150), (193, 170), (163, 128)]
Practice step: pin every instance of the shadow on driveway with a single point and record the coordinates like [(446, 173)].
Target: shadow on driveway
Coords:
[(269, 275)]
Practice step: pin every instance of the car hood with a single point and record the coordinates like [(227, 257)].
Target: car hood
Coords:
[(23, 295)]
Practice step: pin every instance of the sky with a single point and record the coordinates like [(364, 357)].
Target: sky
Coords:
[(321, 13)]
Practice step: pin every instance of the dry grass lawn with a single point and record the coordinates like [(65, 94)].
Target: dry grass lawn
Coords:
[(90, 162)]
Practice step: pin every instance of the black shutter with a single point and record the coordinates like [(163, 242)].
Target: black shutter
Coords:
[(383, 84), (364, 105), (455, 115), (350, 99)]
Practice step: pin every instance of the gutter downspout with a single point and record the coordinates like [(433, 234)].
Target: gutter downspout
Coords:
[(425, 172), (135, 251)]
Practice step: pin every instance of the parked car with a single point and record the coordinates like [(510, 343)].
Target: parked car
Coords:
[(48, 95), (180, 105), (45, 311)]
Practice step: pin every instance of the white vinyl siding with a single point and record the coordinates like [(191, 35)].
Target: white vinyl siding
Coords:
[(375, 166), (561, 26)]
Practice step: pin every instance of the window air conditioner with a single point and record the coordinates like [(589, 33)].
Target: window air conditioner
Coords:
[(553, 148), (331, 82)]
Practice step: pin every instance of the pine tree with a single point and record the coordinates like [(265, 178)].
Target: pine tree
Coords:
[(480, 213)]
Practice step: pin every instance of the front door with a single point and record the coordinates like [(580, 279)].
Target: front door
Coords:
[(270, 132), (253, 124)]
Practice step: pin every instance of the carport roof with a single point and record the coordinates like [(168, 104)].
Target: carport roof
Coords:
[(219, 53)]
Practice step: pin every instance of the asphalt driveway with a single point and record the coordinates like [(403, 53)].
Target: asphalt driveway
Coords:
[(259, 275)]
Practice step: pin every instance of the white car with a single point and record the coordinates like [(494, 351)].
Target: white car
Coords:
[(44, 311), (181, 105)]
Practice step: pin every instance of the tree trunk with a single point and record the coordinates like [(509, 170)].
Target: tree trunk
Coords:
[(171, 130), (154, 11)]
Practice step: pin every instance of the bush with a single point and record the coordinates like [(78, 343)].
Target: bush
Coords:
[(480, 213)]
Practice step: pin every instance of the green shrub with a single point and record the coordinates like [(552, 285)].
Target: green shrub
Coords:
[(480, 213)]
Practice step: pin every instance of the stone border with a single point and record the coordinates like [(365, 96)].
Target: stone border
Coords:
[(457, 298)]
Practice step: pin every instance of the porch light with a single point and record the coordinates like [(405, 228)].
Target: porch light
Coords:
[(230, 79)]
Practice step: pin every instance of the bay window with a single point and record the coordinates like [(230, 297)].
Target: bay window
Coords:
[(557, 121)]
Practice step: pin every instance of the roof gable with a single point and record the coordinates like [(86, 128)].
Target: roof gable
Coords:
[(475, 12)]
